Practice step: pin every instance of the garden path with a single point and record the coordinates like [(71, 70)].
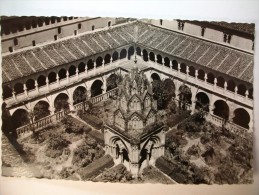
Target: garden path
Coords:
[(17, 168)]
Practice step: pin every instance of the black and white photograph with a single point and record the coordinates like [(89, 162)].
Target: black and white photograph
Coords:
[(127, 100)]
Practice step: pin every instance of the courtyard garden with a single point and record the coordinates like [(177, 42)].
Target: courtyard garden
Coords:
[(199, 152)]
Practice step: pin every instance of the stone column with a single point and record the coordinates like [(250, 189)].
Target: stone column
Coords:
[(36, 86), (57, 77), (47, 82), (215, 83), (246, 95), (205, 77), (68, 79), (77, 72), (163, 61), (25, 90), (111, 59), (236, 91), (14, 96), (196, 76), (103, 62), (225, 86), (179, 68)]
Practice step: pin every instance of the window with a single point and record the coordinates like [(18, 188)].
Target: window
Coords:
[(11, 49), (15, 41), (79, 26), (55, 37), (59, 30), (109, 23), (202, 31), (180, 25), (75, 32), (227, 38), (33, 43), (161, 22), (93, 27)]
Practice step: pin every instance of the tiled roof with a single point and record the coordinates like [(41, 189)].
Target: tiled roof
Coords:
[(218, 57), (224, 59)]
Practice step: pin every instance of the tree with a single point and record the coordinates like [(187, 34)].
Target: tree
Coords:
[(113, 81), (41, 110), (163, 91), (185, 96)]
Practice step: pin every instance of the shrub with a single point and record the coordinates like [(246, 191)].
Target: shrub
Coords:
[(116, 174), (87, 152), (72, 126), (66, 172), (193, 150), (173, 170), (56, 145), (92, 170)]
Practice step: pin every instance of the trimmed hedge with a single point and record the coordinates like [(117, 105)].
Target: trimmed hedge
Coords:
[(173, 170), (92, 120), (98, 136), (95, 168)]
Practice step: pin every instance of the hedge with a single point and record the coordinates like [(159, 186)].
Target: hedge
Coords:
[(96, 167), (173, 170), (92, 120)]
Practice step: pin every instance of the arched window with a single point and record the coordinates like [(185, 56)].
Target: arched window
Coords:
[(79, 95), (115, 56), (30, 84), (155, 76), (92, 27), (107, 59), (81, 67), (20, 118), (167, 62), (52, 77), (202, 101), (41, 110), (18, 88), (159, 59), (201, 75), (96, 88), (241, 90), (72, 70), (61, 102), (15, 41), (99, 61), (152, 56), (192, 71), (242, 118), (41, 81), (175, 65), (220, 82), (90, 64), (231, 85), (62, 74), (221, 109), (130, 52), (123, 54), (7, 92), (183, 68), (210, 78), (145, 55), (138, 50), (109, 23)]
